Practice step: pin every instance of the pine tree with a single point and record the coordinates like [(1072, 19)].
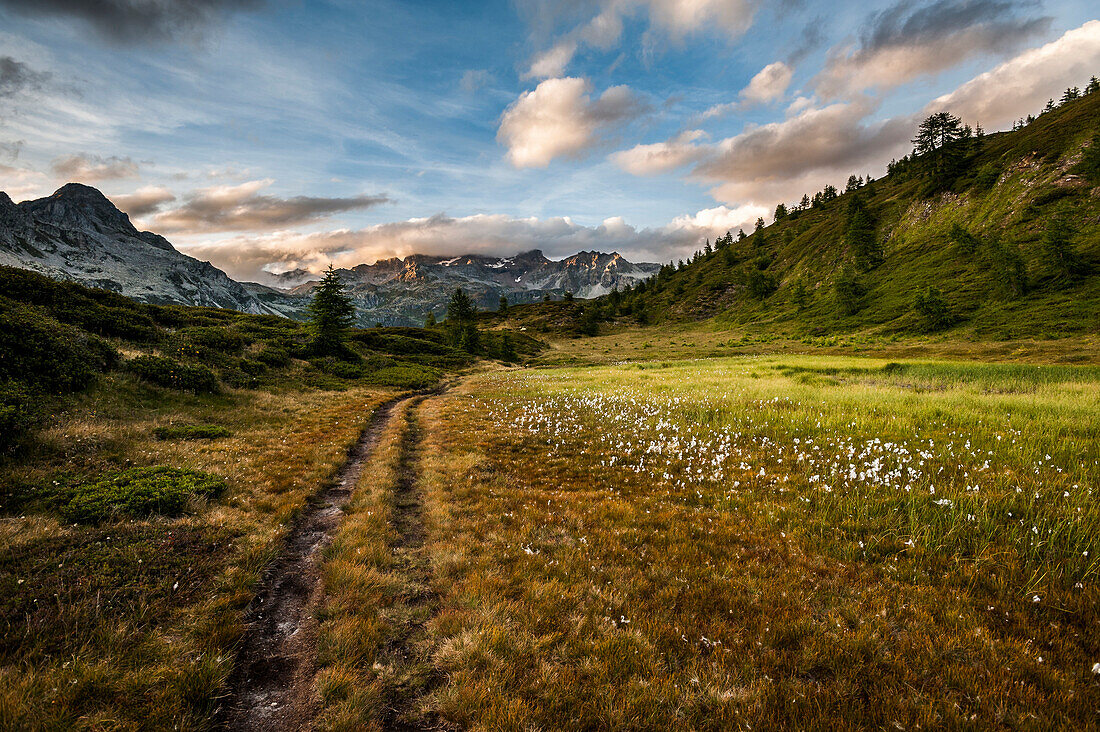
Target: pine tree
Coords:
[(460, 308), (429, 322), (503, 307), (331, 313), (860, 235), (780, 212)]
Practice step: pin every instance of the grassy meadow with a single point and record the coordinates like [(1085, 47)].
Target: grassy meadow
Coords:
[(767, 541), (131, 623)]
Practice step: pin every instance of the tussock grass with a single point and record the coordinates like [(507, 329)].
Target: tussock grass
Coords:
[(367, 599), (625, 548), (131, 624)]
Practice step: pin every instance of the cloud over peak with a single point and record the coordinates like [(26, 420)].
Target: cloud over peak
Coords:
[(91, 168)]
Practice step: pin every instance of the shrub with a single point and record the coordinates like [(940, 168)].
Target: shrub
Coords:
[(191, 432), (850, 291), (208, 344), (932, 309), (966, 242), (405, 377), (136, 493), (46, 354), (173, 375), (18, 413), (987, 177), (761, 284), (273, 356)]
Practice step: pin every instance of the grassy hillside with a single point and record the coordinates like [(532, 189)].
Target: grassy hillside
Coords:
[(1010, 242)]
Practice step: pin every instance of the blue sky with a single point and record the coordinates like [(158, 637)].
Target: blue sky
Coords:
[(269, 135)]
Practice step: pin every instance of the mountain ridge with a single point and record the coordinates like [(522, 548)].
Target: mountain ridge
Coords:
[(77, 234)]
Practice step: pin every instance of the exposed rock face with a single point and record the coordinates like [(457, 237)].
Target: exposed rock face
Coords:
[(77, 234), (403, 291)]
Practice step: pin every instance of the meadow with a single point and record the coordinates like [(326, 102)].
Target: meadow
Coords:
[(766, 541)]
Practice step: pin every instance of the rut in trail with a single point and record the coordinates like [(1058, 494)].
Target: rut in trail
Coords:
[(271, 687), (409, 675)]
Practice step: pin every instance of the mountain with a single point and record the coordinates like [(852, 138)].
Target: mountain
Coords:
[(995, 238), (403, 291), (77, 234)]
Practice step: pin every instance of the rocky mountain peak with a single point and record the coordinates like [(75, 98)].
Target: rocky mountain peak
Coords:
[(75, 206)]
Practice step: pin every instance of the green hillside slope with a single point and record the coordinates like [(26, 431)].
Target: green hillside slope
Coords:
[(1009, 240)]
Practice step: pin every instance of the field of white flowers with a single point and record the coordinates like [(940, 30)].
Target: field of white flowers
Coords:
[(783, 542), (969, 464)]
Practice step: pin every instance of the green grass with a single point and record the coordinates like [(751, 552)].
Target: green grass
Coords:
[(774, 541), (191, 432)]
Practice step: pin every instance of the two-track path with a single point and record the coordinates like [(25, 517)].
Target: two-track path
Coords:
[(271, 687)]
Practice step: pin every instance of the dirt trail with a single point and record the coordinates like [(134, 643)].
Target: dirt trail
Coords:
[(271, 687), (410, 675)]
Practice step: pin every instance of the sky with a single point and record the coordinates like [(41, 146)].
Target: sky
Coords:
[(267, 135)]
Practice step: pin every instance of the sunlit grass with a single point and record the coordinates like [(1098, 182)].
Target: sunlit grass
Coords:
[(768, 541)]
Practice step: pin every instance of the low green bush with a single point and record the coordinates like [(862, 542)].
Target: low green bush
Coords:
[(191, 432), (405, 377), (137, 493), (273, 356), (48, 355), (173, 374), (18, 413)]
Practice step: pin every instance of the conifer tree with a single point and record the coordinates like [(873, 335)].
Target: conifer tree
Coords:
[(331, 313)]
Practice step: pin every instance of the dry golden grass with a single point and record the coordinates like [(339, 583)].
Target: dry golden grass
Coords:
[(130, 625), (656, 593)]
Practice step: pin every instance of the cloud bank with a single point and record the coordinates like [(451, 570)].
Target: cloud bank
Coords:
[(250, 257), (85, 168), (239, 208)]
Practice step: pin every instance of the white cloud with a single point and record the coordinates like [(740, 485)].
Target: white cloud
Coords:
[(661, 157), (769, 84), (143, 201), (551, 63), (558, 118), (717, 221), (474, 79), (1023, 84), (91, 168), (908, 40), (243, 207), (675, 19), (23, 183)]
